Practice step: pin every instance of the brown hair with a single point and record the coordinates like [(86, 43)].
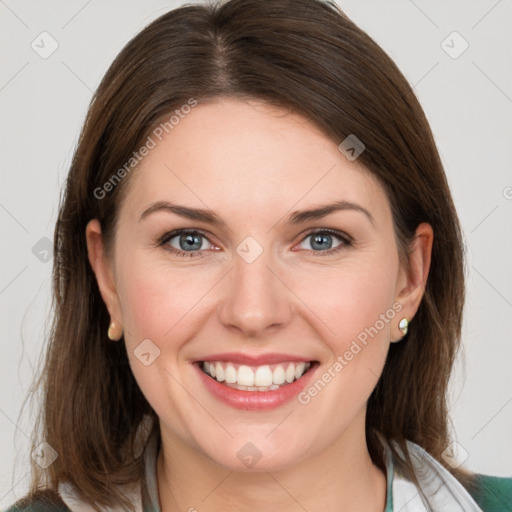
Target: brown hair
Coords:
[(305, 56)]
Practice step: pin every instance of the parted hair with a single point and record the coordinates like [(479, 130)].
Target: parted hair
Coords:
[(302, 55)]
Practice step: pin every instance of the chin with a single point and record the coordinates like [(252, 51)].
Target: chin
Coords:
[(240, 454)]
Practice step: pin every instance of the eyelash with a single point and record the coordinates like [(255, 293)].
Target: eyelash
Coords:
[(344, 238)]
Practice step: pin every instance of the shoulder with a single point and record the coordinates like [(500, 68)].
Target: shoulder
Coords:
[(41, 501), (492, 493)]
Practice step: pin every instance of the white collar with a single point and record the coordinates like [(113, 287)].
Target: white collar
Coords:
[(440, 490)]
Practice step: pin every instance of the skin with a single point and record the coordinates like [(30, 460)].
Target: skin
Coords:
[(291, 299)]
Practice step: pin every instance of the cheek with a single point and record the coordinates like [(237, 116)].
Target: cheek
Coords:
[(155, 301), (353, 298), (158, 304), (355, 305), (165, 303)]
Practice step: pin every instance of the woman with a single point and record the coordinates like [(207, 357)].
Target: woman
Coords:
[(258, 280)]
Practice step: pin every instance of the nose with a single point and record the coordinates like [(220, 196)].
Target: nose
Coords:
[(257, 300)]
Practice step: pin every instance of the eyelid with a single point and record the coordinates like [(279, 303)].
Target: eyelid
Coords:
[(335, 232), (169, 235)]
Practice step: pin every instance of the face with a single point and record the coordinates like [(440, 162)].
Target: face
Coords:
[(262, 294)]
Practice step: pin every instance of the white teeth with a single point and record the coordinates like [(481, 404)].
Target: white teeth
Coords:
[(261, 378), (219, 372), (290, 373), (299, 370), (230, 374), (278, 376), (245, 376), (253, 388)]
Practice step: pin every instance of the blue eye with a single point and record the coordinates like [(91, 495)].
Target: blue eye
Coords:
[(189, 242), (322, 240)]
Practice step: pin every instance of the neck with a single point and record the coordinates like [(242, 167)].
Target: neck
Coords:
[(342, 476)]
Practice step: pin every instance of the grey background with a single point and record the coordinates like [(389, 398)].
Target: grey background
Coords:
[(468, 101)]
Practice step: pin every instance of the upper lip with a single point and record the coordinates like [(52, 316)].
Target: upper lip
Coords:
[(254, 360)]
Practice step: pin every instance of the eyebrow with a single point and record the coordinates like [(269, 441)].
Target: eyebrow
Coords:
[(297, 217)]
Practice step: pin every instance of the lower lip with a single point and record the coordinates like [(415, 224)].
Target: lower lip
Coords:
[(255, 400)]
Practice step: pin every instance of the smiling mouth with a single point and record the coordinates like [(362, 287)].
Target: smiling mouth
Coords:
[(267, 377)]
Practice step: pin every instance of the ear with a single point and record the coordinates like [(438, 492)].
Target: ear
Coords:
[(103, 270), (413, 278)]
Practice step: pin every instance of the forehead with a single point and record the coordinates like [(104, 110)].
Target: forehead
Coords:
[(248, 158)]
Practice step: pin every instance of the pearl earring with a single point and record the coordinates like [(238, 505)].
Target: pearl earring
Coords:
[(115, 332), (403, 325)]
